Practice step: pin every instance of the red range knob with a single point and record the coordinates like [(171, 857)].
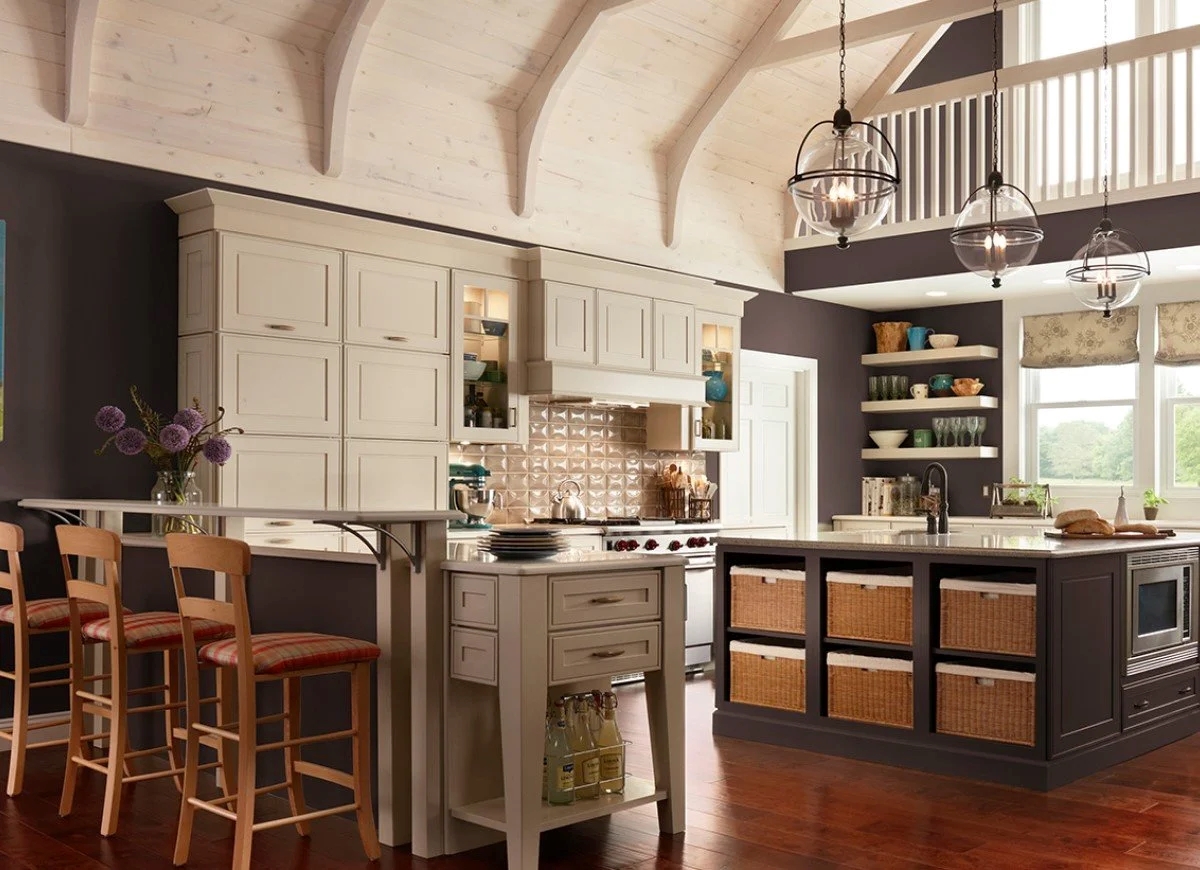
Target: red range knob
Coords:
[(701, 541), (691, 542), (652, 544), (675, 545), (633, 545), (619, 546)]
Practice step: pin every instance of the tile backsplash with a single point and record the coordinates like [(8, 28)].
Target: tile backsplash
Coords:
[(603, 448)]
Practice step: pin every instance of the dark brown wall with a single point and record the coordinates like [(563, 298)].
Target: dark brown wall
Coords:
[(965, 49)]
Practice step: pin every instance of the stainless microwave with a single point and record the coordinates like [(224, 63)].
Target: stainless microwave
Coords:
[(1160, 616)]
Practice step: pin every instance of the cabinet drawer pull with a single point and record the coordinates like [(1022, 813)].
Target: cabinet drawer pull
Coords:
[(608, 599), (281, 327), (512, 418), (279, 540), (1186, 690), (696, 430), (279, 523), (608, 653), (395, 338), (1141, 705)]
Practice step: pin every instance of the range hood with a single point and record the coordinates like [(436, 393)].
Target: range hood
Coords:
[(564, 383)]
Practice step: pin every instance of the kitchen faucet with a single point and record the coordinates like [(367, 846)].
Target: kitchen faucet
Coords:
[(939, 525)]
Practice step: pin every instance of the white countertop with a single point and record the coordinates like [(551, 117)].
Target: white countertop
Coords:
[(216, 510), (575, 529), (920, 518), (469, 559)]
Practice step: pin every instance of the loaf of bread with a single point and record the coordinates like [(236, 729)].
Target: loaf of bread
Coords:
[(1065, 518), (1144, 528), (1095, 526)]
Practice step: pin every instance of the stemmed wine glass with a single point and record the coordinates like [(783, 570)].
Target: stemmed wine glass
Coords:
[(956, 427), (982, 427), (972, 430), (939, 431)]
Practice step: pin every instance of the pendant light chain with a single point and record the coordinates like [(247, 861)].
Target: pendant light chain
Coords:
[(1107, 86), (996, 85), (842, 54)]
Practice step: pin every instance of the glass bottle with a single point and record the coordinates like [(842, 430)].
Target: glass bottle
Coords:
[(587, 762), (611, 748), (483, 413), (560, 763), (469, 407)]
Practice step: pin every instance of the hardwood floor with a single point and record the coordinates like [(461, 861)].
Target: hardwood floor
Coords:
[(749, 806)]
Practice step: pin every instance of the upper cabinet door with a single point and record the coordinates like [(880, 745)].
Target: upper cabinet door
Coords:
[(277, 386), (674, 338), (396, 394), (283, 472), (394, 303), (569, 321), (278, 288), (625, 330)]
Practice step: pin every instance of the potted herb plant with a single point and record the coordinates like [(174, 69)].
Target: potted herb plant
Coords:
[(1151, 502)]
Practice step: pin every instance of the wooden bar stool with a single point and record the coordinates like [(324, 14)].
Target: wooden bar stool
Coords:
[(286, 656), (29, 618), (126, 634)]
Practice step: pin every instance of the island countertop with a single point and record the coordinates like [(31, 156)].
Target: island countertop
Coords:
[(967, 543), (466, 558)]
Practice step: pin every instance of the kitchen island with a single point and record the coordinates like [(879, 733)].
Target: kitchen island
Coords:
[(1008, 658)]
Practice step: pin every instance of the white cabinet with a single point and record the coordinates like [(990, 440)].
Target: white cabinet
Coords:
[(280, 387), (625, 331), (396, 394), (487, 313), (396, 475), (674, 338), (394, 303), (299, 473), (565, 319), (197, 283), (278, 288)]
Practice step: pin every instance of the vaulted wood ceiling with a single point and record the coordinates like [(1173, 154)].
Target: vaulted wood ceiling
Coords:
[(419, 107)]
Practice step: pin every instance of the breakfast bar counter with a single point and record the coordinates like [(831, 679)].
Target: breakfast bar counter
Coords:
[(1026, 660)]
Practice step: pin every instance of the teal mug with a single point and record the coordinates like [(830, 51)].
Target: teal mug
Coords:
[(917, 336), (941, 383), (922, 438)]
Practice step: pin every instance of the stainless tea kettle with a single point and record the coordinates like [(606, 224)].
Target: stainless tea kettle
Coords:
[(568, 507)]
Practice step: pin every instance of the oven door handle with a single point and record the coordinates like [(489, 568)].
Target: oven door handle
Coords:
[(699, 565)]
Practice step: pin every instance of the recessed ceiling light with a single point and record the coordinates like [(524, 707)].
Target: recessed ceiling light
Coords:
[(1189, 267), (1055, 281), (936, 293)]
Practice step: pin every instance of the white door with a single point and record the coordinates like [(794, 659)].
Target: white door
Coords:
[(394, 303), (770, 480), (674, 337), (396, 394), (624, 330), (280, 386), (279, 288), (297, 473), (396, 475), (569, 323)]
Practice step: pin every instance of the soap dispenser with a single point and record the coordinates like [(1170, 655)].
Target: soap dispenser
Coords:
[(1122, 518)]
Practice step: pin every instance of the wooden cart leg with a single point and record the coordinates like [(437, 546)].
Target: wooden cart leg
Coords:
[(665, 705)]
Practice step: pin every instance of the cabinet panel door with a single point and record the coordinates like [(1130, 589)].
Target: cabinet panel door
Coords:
[(570, 323), (197, 283), (394, 303), (299, 473), (280, 386), (396, 394), (394, 475), (274, 288), (624, 330), (674, 338)]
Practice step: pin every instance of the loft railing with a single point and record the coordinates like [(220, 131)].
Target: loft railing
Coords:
[(1053, 142)]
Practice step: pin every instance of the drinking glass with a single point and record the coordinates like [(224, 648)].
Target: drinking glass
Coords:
[(956, 426), (893, 384), (973, 430), (982, 427), (939, 431), (902, 392), (873, 389)]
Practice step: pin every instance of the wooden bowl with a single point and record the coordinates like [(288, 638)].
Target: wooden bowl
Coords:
[(967, 387)]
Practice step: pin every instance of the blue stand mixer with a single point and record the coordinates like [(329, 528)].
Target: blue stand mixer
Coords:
[(469, 493)]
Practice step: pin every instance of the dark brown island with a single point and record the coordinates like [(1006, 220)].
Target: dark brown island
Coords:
[(1022, 660)]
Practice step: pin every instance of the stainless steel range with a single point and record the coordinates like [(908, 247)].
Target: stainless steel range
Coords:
[(694, 541)]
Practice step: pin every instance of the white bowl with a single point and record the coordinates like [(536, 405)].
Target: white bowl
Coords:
[(942, 340), (888, 438), (473, 369)]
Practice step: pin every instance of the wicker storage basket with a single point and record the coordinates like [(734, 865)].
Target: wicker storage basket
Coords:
[(870, 689), (768, 599), (986, 703), (766, 676), (987, 616), (865, 606)]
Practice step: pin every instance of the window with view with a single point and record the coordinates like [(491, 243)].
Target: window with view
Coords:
[(1181, 425), (1081, 424)]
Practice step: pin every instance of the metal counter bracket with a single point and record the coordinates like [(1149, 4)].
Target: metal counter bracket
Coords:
[(65, 518), (415, 556)]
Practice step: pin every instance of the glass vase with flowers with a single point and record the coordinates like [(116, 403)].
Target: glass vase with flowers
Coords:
[(174, 446)]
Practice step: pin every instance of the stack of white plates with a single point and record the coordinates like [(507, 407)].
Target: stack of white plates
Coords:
[(528, 543)]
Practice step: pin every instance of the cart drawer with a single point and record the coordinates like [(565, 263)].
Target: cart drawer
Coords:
[(583, 654), (624, 597), (1152, 699)]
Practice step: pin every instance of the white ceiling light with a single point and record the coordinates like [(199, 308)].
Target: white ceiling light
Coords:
[(936, 293)]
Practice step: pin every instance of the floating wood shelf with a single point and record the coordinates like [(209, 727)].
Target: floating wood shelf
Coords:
[(965, 353), (954, 403), (931, 453), (490, 813)]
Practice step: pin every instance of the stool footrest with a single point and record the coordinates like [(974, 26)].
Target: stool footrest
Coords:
[(304, 817), (218, 811), (45, 684), (215, 731), (304, 741), (328, 774), (228, 799)]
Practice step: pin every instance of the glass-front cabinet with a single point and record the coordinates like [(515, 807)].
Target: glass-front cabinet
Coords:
[(713, 426), (487, 373)]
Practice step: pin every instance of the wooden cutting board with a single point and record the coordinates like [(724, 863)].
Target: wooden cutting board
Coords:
[(1124, 536)]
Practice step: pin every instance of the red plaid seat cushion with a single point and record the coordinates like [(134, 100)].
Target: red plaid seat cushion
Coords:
[(285, 651), (156, 628), (48, 614)]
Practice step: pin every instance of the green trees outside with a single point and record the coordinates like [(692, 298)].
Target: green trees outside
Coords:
[(1187, 445)]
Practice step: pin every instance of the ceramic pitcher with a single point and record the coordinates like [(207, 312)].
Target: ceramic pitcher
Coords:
[(917, 336)]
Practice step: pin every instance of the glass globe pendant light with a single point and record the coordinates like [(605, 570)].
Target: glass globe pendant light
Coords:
[(844, 185), (1110, 267), (997, 230)]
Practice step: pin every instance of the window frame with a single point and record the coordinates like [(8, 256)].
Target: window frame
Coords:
[(1166, 405), (1152, 16)]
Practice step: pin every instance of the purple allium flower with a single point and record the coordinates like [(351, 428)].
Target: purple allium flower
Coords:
[(190, 419), (131, 442), (173, 437), (217, 450), (110, 419)]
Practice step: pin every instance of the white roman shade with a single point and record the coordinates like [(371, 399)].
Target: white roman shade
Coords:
[(1178, 333), (1079, 338)]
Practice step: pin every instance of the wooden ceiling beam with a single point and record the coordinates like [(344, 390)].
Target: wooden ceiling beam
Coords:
[(341, 66), (679, 158), (876, 28), (899, 67), (81, 31), (533, 115)]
